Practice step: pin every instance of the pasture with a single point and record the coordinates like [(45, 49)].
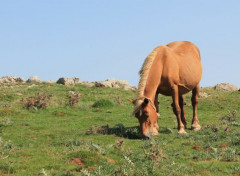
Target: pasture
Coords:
[(51, 129)]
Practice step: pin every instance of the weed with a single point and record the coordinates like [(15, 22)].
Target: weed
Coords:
[(229, 118), (6, 111), (39, 101), (43, 172), (74, 99), (118, 100), (229, 154), (6, 122), (85, 172), (119, 144), (153, 151), (98, 130)]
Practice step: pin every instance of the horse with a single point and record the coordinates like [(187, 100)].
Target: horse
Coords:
[(171, 70)]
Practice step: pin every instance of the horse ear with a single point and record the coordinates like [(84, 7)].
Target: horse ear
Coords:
[(132, 101)]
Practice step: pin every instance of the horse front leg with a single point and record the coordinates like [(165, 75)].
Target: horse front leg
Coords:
[(183, 114), (177, 109), (195, 121), (156, 103)]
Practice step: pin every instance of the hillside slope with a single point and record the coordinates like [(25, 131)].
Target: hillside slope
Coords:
[(52, 129)]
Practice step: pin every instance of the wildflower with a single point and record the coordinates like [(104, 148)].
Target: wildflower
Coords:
[(234, 111)]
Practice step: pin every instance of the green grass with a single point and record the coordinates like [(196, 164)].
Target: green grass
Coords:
[(98, 136)]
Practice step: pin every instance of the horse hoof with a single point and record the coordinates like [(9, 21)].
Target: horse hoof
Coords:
[(196, 127), (182, 131)]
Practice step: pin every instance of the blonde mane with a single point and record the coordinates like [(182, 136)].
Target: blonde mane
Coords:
[(144, 72)]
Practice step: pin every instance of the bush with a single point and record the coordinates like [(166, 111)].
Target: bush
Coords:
[(39, 101), (74, 99), (102, 103)]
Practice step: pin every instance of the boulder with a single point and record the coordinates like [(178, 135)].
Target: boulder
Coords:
[(88, 84), (103, 84), (114, 83), (49, 82), (11, 79), (33, 79), (69, 81), (226, 87)]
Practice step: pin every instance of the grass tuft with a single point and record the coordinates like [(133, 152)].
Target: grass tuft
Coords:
[(102, 103)]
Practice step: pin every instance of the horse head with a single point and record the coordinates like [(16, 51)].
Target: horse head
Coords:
[(145, 112)]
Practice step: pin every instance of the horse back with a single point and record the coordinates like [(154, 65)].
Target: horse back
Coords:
[(181, 65)]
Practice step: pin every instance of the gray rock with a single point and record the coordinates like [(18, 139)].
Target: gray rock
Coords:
[(88, 84), (33, 79), (69, 81), (103, 84), (50, 82), (226, 87), (114, 83), (11, 79)]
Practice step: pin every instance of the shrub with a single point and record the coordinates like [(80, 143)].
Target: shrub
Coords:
[(102, 103), (74, 99), (39, 101)]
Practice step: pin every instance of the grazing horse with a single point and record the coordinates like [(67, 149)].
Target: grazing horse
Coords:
[(171, 70)]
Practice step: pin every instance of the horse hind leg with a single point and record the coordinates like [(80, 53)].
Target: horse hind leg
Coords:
[(195, 121), (177, 109), (183, 114)]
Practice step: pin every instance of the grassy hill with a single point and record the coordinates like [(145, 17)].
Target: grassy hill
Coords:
[(52, 129)]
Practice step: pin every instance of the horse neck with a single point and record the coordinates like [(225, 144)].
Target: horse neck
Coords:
[(150, 91), (153, 82), (154, 75)]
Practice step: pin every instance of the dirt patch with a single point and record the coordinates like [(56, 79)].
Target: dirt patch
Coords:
[(197, 147), (208, 149), (78, 161), (111, 160), (24, 156), (223, 145)]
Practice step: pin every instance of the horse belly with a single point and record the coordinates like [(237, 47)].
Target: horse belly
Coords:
[(190, 74)]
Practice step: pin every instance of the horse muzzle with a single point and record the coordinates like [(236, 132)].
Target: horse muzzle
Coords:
[(149, 134)]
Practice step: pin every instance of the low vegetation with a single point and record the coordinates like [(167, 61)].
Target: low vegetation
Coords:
[(45, 130)]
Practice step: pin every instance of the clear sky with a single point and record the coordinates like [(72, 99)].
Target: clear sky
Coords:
[(100, 39)]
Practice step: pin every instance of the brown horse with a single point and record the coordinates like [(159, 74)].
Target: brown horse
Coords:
[(171, 70)]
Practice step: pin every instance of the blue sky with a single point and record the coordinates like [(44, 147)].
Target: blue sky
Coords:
[(100, 39)]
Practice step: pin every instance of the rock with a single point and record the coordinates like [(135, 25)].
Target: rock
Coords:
[(33, 79), (203, 95), (88, 84), (50, 82), (11, 79), (103, 84), (77, 80), (115, 84), (226, 87), (69, 81)]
